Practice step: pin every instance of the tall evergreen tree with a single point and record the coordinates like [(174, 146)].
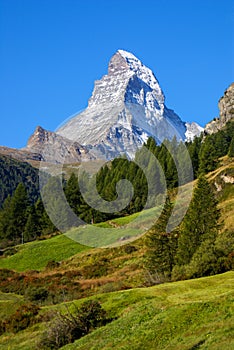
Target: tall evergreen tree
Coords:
[(72, 193), (56, 206), (161, 247), (194, 149), (200, 222), (207, 156), (231, 148), (4, 217), (45, 224), (17, 215), (32, 227)]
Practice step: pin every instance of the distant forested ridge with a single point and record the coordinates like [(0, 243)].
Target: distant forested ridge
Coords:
[(13, 172)]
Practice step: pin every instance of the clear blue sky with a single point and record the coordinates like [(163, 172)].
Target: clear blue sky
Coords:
[(51, 51)]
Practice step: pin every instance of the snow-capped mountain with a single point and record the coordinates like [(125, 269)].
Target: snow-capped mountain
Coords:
[(193, 129), (126, 107)]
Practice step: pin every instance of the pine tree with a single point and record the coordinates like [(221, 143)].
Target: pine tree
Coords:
[(161, 247), (45, 224), (56, 205), (194, 149), (17, 214), (207, 157), (72, 192), (231, 148), (152, 146), (220, 142), (200, 222), (184, 164), (4, 217), (32, 227)]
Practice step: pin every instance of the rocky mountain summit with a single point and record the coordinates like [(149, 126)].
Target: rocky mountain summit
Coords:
[(226, 108), (47, 146), (126, 107), (55, 148)]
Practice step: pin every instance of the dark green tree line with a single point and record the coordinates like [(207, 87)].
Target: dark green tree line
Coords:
[(13, 172), (21, 221)]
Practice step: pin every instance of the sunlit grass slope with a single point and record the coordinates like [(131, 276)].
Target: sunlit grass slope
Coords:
[(35, 255), (186, 315)]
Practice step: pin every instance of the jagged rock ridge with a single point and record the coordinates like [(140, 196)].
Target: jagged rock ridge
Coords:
[(55, 148), (226, 108)]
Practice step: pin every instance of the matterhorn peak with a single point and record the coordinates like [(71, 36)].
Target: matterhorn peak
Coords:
[(126, 107), (123, 62), (135, 65)]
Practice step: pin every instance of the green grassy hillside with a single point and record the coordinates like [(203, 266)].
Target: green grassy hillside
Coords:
[(8, 303), (182, 315), (35, 255)]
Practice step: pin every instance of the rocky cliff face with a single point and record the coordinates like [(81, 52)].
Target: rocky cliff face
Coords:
[(226, 108), (55, 148), (127, 106)]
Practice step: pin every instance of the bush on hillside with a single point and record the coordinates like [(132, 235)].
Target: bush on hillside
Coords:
[(36, 294), (23, 317), (52, 264), (66, 328)]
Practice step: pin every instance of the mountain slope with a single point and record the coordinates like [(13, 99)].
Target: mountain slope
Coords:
[(188, 315), (180, 316)]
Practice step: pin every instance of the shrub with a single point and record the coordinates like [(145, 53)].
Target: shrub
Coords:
[(95, 270), (52, 264), (179, 273), (66, 328), (63, 330), (9, 251), (113, 287), (129, 249), (6, 274), (23, 317), (36, 294), (12, 282), (91, 315), (2, 327)]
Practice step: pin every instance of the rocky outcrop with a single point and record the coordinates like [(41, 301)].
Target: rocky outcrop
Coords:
[(226, 108), (55, 148), (227, 179)]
